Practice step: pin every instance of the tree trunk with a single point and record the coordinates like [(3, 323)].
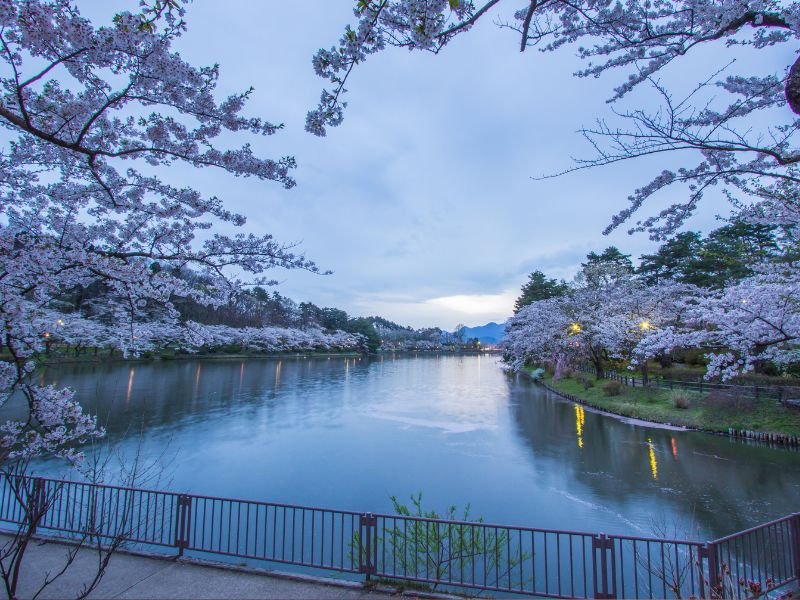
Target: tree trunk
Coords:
[(562, 367), (792, 89)]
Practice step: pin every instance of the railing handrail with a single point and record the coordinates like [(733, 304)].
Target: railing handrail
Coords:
[(350, 512), (656, 380), (759, 527)]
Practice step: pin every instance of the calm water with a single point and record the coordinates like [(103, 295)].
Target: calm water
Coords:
[(350, 433)]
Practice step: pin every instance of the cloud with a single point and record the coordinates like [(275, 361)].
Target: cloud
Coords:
[(422, 202), (446, 311), (478, 305)]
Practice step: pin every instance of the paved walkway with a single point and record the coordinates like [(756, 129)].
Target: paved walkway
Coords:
[(138, 576)]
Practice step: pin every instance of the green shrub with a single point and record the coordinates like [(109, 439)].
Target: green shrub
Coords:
[(613, 388), (696, 357), (680, 398)]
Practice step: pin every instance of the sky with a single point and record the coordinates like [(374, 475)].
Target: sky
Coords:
[(424, 203)]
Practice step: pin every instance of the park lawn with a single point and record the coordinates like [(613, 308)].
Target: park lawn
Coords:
[(766, 415)]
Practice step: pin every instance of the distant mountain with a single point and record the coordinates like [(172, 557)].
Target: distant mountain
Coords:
[(491, 333)]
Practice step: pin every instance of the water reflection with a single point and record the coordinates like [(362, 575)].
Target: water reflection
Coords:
[(718, 486), (580, 419), (653, 461), (130, 387), (350, 433)]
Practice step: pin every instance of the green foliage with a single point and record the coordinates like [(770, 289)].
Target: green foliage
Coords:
[(585, 380), (539, 287), (333, 319), (682, 372), (680, 399), (613, 388), (367, 329), (725, 255), (695, 357), (676, 259), (427, 544), (537, 374), (602, 269)]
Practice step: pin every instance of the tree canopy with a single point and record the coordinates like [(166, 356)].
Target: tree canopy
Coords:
[(539, 287)]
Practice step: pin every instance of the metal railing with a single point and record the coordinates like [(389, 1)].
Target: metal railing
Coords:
[(440, 553), (757, 392), (755, 561)]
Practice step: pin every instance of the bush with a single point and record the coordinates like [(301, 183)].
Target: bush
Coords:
[(680, 399), (613, 388), (585, 380), (684, 373), (696, 357)]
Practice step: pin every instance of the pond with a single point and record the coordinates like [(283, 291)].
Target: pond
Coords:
[(349, 433)]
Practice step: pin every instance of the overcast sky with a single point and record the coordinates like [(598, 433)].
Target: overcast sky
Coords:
[(422, 202)]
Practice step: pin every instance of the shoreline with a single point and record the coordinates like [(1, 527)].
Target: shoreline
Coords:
[(89, 359), (773, 440), (150, 359)]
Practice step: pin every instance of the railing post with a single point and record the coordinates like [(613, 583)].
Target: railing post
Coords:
[(182, 522), (368, 544), (796, 543), (37, 503), (604, 587), (715, 589)]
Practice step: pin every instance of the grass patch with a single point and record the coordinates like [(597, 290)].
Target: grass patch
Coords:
[(704, 411)]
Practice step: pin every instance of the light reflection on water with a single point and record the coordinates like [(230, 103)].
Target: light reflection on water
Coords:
[(349, 433)]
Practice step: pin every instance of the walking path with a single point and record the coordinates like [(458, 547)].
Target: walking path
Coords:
[(146, 577)]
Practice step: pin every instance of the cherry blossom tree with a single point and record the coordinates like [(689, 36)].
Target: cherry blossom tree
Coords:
[(92, 115), (538, 334), (747, 324), (644, 40), (619, 320), (636, 312)]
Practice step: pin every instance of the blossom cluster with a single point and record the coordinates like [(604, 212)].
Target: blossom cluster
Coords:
[(754, 320)]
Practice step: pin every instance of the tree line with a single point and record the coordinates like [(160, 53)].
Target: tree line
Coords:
[(725, 294)]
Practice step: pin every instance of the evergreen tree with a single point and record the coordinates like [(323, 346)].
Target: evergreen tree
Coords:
[(539, 287)]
